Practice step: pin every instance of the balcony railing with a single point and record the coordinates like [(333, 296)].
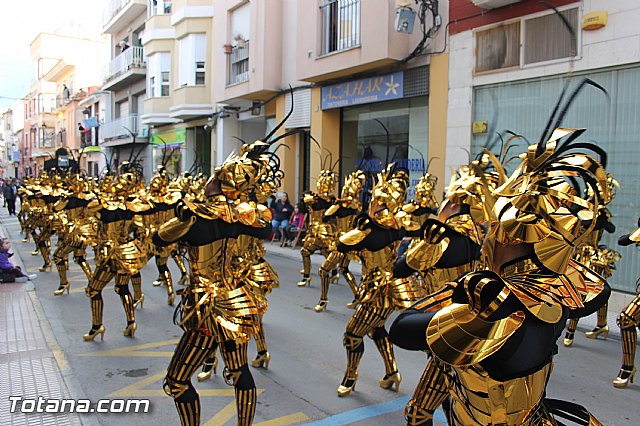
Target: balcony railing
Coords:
[(340, 25), (238, 65), (118, 128), (133, 57)]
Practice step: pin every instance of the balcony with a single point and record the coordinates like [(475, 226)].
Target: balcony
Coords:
[(125, 69), (346, 37), (238, 65), (119, 13), (123, 128)]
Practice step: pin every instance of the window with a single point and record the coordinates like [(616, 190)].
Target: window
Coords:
[(340, 25), (498, 47), (193, 54), (159, 74), (539, 39)]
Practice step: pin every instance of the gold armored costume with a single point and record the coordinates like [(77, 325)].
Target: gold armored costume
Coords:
[(319, 234), (120, 254), (220, 304), (628, 321), (492, 333), (375, 240), (342, 213)]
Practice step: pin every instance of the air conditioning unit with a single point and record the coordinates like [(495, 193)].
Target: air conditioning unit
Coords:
[(493, 4)]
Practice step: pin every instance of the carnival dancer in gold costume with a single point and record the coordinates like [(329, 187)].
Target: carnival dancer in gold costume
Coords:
[(40, 219), (492, 333), (628, 321), (78, 229), (447, 248), (218, 307), (601, 259), (319, 234), (375, 240), (342, 213), (120, 254)]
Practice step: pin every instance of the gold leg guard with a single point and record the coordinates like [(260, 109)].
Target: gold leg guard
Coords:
[(122, 288), (355, 349), (348, 276), (237, 374), (192, 350), (602, 315), (569, 335), (80, 258), (180, 262), (306, 260), (45, 251), (136, 282), (99, 280), (261, 342), (381, 339), (246, 405), (168, 282), (629, 338), (429, 394)]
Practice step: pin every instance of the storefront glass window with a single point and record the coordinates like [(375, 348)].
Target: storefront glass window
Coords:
[(394, 131)]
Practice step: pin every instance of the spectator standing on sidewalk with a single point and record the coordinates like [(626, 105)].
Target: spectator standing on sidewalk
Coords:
[(4, 200), (10, 192), (8, 272)]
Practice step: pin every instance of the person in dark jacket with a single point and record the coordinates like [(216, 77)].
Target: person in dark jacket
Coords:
[(10, 192), (282, 210)]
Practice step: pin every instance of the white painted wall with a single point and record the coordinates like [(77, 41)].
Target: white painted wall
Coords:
[(617, 43)]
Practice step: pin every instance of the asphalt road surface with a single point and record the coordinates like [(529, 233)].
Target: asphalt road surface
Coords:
[(307, 358)]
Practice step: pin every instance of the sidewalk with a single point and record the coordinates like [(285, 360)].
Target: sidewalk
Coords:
[(29, 368)]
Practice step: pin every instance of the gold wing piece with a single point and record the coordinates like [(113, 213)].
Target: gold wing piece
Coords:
[(424, 255), (175, 228), (354, 236)]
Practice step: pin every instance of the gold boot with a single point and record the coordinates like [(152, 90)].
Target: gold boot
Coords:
[(353, 304), (130, 331), (171, 299), (35, 252), (348, 384), (93, 333), (624, 377), (321, 306), (61, 289), (568, 338), (157, 282), (593, 334), (388, 381), (184, 279), (46, 266), (205, 374), (262, 361), (305, 281), (139, 302)]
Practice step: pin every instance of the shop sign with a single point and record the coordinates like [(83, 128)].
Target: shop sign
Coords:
[(169, 139), (363, 91), (15, 156)]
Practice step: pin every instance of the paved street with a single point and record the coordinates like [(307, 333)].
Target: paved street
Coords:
[(307, 363)]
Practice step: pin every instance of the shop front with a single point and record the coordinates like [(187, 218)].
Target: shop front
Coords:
[(182, 149), (383, 119)]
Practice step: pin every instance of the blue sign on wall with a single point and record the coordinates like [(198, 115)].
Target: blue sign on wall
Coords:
[(363, 91)]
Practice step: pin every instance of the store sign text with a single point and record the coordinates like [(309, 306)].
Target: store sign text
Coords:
[(363, 91)]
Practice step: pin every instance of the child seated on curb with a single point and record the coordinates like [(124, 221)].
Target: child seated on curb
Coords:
[(295, 223), (8, 272)]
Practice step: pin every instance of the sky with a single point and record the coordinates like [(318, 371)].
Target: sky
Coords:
[(21, 21)]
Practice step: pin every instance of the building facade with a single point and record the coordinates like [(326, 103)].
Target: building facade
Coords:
[(509, 64)]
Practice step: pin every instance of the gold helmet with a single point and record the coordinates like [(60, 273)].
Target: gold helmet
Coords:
[(353, 186), (388, 195), (326, 184), (543, 202), (425, 191)]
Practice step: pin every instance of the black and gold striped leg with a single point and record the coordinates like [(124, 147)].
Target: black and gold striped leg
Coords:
[(165, 276), (431, 391), (79, 256), (122, 288), (261, 342), (44, 245), (602, 315), (192, 350), (237, 373), (136, 283), (62, 266), (330, 263), (180, 262), (348, 276), (381, 339), (305, 252), (99, 280), (570, 334)]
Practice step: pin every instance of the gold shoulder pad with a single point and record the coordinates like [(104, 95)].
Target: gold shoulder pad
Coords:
[(265, 213), (354, 236), (247, 214), (332, 210), (409, 208), (174, 229), (309, 198), (138, 205), (423, 255), (457, 336)]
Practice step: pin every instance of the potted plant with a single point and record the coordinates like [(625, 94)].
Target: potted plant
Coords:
[(228, 49), (240, 41)]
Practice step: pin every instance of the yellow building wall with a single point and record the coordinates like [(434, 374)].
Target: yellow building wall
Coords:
[(438, 102), (325, 127), (288, 156)]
